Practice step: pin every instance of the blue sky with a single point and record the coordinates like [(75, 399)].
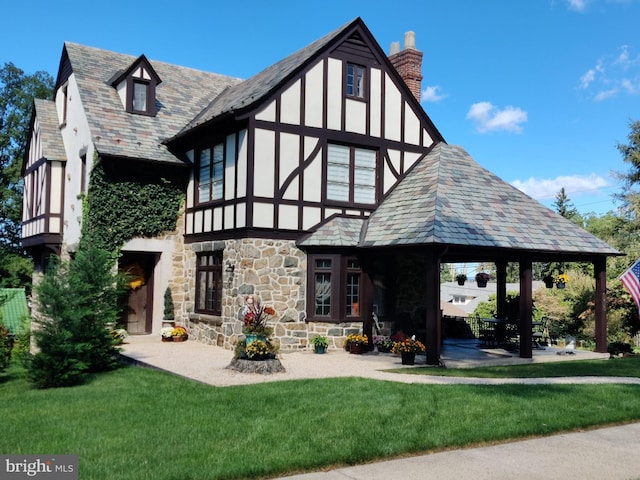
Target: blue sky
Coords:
[(537, 91)]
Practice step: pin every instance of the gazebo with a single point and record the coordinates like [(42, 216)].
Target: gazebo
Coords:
[(449, 209)]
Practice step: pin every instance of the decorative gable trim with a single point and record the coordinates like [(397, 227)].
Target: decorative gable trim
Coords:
[(136, 87)]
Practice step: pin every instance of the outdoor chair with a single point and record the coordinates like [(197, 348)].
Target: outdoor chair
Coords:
[(486, 333), (512, 335), (539, 333)]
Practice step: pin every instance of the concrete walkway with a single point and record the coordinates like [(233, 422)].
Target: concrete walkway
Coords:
[(610, 453)]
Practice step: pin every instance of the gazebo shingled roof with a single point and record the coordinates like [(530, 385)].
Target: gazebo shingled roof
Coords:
[(448, 198)]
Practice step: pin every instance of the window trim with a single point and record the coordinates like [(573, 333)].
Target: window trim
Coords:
[(339, 269), (352, 174), (212, 182), (216, 270), (150, 85), (362, 89)]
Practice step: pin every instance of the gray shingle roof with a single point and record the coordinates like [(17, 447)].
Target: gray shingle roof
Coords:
[(337, 232), (257, 87), (448, 198), (182, 94), (50, 136)]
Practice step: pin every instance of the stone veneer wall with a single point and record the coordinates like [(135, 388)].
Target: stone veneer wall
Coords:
[(272, 270)]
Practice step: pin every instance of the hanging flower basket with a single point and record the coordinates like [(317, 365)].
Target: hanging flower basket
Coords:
[(561, 280), (461, 278), (548, 281), (482, 278)]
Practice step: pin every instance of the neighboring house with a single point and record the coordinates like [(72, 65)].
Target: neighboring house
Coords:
[(14, 311), (319, 185), (465, 298)]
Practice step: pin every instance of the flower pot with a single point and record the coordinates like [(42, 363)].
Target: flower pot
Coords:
[(320, 348), (460, 282), (252, 337), (548, 283), (408, 358), (481, 283), (181, 338), (356, 348), (167, 339), (560, 285)]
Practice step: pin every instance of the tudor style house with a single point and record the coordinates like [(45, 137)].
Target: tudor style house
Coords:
[(319, 185)]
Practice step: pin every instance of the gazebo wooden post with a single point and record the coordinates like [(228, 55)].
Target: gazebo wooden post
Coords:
[(526, 307), (501, 289), (434, 330), (600, 273)]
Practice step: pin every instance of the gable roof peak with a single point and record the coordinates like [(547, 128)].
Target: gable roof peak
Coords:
[(140, 61)]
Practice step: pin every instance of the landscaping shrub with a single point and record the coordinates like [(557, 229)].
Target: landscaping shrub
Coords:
[(76, 300), (617, 348)]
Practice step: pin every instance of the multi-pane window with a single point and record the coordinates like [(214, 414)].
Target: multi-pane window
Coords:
[(323, 287), (335, 284), (351, 174), (352, 285), (355, 80), (211, 173), (209, 283)]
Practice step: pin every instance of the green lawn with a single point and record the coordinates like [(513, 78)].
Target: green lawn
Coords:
[(615, 367), (138, 424)]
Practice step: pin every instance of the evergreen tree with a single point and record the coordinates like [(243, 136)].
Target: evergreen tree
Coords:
[(564, 206), (76, 300), (630, 196)]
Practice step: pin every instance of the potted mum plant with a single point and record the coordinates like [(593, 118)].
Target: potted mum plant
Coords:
[(166, 333), (355, 343), (383, 343), (179, 334), (407, 350), (461, 278), (482, 278), (320, 343)]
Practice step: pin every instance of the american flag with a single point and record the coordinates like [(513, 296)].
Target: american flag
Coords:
[(631, 281)]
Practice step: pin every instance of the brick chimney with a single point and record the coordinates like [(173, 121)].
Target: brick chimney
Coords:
[(408, 63)]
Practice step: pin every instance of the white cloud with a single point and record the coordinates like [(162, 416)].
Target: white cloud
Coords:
[(577, 5), (604, 94), (488, 118), (574, 185), (587, 78), (431, 94), (613, 74)]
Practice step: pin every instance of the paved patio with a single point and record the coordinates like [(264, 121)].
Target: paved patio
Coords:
[(206, 363)]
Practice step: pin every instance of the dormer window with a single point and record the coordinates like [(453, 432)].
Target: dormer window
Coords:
[(140, 95), (136, 87)]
